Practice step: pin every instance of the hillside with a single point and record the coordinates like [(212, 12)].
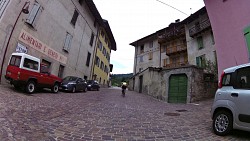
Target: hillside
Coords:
[(116, 79)]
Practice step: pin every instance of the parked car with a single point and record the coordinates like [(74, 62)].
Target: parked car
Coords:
[(93, 85), (73, 84), (231, 105), (27, 71)]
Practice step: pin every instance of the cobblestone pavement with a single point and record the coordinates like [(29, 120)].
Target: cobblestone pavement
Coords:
[(103, 115)]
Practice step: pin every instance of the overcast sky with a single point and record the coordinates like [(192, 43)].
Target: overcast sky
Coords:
[(131, 20)]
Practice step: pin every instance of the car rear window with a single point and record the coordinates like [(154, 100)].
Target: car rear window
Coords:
[(226, 80), (15, 60)]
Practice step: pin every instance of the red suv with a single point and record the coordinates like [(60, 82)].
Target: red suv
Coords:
[(28, 72)]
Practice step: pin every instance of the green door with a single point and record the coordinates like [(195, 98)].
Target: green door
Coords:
[(177, 89)]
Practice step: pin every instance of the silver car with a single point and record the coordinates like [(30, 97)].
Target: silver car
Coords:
[(231, 107)]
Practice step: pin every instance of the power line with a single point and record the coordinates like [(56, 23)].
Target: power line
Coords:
[(171, 7)]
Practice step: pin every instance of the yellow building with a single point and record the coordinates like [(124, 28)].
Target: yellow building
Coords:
[(105, 43)]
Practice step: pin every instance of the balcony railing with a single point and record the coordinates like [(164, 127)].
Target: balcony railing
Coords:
[(176, 65), (176, 49), (172, 34), (200, 27)]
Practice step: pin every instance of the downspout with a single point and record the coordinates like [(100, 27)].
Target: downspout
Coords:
[(94, 55)]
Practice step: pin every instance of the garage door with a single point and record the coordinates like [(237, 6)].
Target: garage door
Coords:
[(177, 89)]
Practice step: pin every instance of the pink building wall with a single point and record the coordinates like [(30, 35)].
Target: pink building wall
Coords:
[(229, 18)]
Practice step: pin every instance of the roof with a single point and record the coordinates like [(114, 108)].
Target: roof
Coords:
[(102, 22), (144, 39), (110, 34), (232, 69), (195, 15)]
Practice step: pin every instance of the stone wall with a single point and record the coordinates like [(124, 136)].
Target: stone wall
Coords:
[(156, 83)]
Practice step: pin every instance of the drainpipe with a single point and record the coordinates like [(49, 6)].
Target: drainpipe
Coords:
[(25, 11)]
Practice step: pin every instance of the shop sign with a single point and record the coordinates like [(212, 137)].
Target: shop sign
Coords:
[(36, 44), (21, 49)]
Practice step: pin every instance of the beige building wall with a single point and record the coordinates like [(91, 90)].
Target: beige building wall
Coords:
[(52, 25)]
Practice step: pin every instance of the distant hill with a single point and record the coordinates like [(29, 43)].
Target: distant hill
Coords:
[(116, 79)]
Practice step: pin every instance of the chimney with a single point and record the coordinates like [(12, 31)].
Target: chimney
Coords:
[(178, 20)]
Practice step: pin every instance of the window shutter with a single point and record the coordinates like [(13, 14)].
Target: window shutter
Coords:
[(33, 14), (3, 5), (198, 61)]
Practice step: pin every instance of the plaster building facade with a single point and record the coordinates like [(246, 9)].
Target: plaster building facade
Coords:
[(231, 25), (62, 33), (105, 43), (200, 41)]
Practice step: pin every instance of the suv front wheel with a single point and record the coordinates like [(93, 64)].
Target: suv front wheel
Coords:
[(222, 123), (31, 87), (55, 88)]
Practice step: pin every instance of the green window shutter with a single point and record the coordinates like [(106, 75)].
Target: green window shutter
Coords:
[(198, 61), (200, 42), (247, 37)]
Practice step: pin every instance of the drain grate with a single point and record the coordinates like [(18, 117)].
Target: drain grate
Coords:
[(183, 110), (172, 114)]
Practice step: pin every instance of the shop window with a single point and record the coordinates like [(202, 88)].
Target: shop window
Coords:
[(34, 14)]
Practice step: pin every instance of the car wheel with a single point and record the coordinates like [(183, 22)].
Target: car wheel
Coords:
[(98, 89), (73, 89), (55, 88), (222, 123), (31, 87), (85, 89)]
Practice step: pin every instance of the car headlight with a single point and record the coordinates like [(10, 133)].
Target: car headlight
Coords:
[(89, 85)]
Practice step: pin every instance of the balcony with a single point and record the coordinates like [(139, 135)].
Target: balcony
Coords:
[(199, 28), (171, 34), (176, 49), (176, 65)]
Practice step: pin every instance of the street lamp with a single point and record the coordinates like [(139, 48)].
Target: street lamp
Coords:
[(24, 10)]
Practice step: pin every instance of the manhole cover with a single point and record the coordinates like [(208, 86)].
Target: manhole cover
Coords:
[(172, 114), (181, 110)]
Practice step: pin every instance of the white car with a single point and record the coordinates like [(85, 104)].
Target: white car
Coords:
[(231, 107)]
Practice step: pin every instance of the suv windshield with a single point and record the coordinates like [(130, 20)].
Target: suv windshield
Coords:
[(15, 61)]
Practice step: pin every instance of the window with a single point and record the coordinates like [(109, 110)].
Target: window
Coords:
[(85, 77), (200, 42), (34, 14), (200, 61), (150, 56), (151, 44), (97, 61), (61, 70), (67, 42), (81, 2), (142, 49), (140, 69), (45, 66), (102, 65), (226, 80), (74, 18), (212, 37), (243, 78), (88, 59), (102, 33), (104, 51), (30, 64), (100, 46), (141, 58), (91, 39), (15, 61), (3, 5)]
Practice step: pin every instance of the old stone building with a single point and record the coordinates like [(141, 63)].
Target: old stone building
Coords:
[(62, 33), (179, 73)]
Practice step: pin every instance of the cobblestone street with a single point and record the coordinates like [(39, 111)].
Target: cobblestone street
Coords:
[(103, 115)]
